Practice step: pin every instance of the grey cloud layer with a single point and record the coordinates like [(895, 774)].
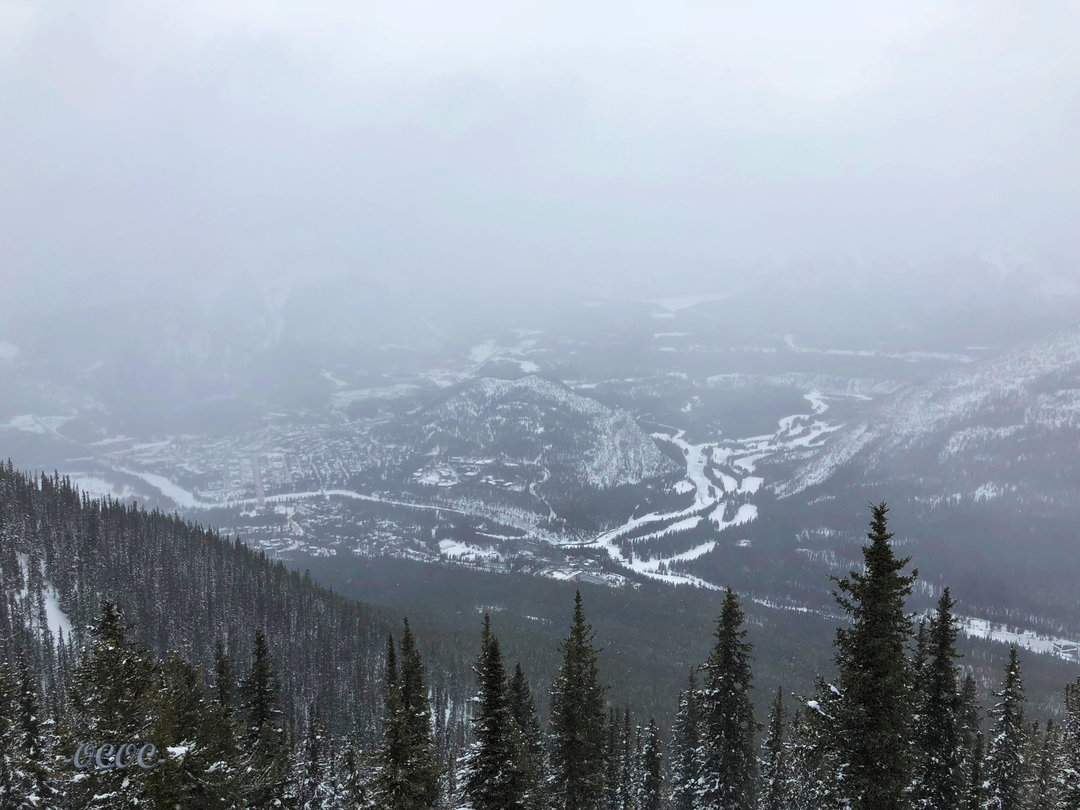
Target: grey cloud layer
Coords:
[(156, 145)]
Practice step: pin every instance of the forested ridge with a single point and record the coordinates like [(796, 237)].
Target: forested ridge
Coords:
[(263, 689)]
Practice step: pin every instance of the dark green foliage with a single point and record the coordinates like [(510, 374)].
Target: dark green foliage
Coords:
[(627, 792), (1005, 763), (408, 771), (223, 678), (196, 736), (8, 750), (727, 766), (684, 768), (181, 588), (650, 795), (939, 767), (975, 798), (613, 763), (775, 776), (493, 772), (814, 754), (1047, 784), (875, 679), (259, 689), (577, 722), (533, 762), (1070, 746), (111, 698)]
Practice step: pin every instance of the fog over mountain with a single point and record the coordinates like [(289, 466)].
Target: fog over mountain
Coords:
[(461, 309), (155, 150)]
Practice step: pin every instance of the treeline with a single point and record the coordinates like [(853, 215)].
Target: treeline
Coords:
[(184, 589)]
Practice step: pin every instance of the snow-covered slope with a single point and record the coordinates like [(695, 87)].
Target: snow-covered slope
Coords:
[(1011, 423), (532, 419)]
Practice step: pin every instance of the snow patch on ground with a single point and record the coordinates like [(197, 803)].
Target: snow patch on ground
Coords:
[(453, 549), (55, 618), (35, 424), (99, 487), (174, 492), (751, 484), (1066, 649)]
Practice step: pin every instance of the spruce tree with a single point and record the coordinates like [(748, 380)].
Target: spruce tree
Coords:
[(975, 793), (315, 778), (874, 712), (493, 776), (627, 764), (223, 678), (1005, 763), (110, 699), (940, 756), (727, 773), (651, 788), (814, 754), (577, 722), (201, 768), (523, 711), (1047, 785), (408, 770), (266, 746), (9, 783), (1070, 746), (613, 763), (34, 757), (775, 780), (260, 688), (684, 744)]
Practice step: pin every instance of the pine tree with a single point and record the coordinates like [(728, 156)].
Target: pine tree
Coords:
[(684, 744), (408, 771), (111, 698), (315, 781), (1005, 764), (260, 689), (627, 764), (940, 759), (1047, 785), (613, 763), (651, 788), (727, 770), (975, 794), (223, 678), (970, 716), (8, 780), (200, 769), (775, 780), (266, 746), (523, 711), (493, 774), (874, 711), (34, 757), (1070, 746), (577, 722), (814, 754)]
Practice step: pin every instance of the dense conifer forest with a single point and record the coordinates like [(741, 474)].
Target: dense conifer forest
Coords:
[(261, 689)]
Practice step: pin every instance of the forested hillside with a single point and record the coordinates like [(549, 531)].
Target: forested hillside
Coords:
[(261, 689)]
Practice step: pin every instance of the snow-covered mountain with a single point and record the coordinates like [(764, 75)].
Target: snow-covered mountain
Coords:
[(1010, 424), (579, 440)]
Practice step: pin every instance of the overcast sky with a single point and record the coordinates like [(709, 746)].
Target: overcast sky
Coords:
[(153, 146)]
